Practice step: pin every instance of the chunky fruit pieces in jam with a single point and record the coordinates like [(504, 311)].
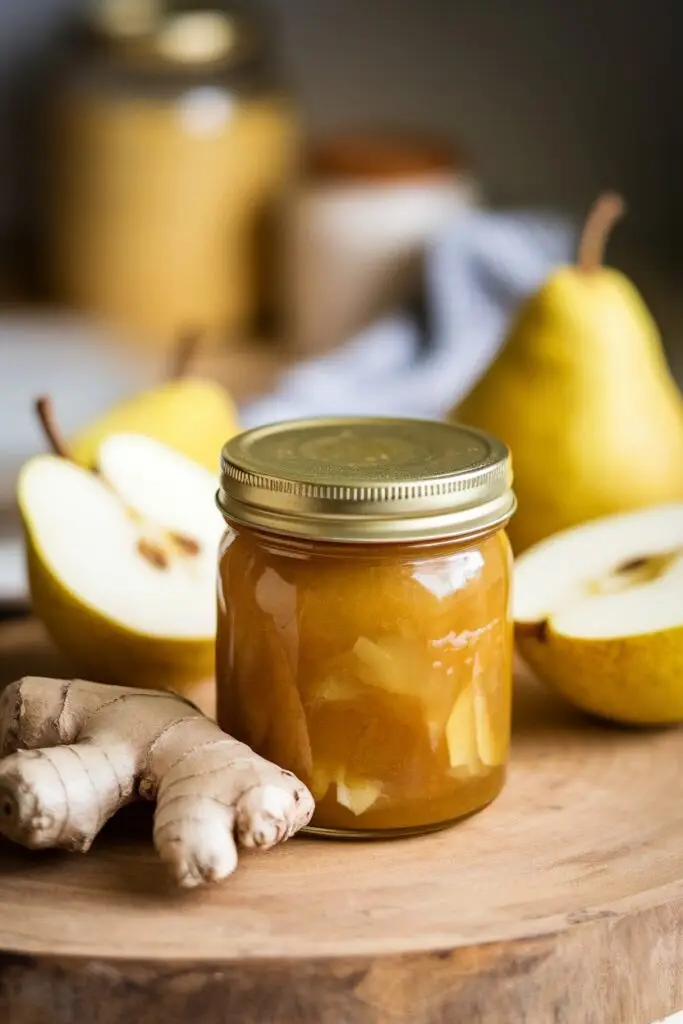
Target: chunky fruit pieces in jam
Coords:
[(380, 676)]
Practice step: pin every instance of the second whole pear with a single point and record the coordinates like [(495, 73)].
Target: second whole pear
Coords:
[(193, 415), (582, 394)]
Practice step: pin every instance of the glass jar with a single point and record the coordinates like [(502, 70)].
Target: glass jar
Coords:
[(173, 146), (364, 624)]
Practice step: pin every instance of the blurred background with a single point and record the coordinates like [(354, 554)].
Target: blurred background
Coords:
[(555, 100), (359, 188), (551, 102)]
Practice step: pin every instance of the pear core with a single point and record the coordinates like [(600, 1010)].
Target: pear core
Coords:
[(614, 577)]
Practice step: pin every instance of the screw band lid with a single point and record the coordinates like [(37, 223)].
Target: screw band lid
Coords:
[(367, 479)]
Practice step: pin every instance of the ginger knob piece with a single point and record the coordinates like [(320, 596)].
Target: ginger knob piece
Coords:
[(74, 752)]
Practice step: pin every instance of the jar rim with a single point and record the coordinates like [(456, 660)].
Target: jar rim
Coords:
[(367, 479)]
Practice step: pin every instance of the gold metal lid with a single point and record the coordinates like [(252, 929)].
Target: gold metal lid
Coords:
[(366, 480)]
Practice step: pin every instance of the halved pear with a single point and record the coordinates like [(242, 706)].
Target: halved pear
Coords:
[(599, 614), (122, 563)]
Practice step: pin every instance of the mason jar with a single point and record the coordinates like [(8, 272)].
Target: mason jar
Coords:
[(364, 618), (173, 147)]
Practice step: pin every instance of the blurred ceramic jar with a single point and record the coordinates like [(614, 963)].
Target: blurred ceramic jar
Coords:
[(358, 227), (172, 147)]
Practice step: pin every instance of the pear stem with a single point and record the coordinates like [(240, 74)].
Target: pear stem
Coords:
[(602, 217), (184, 352), (46, 414)]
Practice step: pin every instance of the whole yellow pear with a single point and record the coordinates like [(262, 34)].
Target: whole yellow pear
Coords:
[(582, 394), (192, 415)]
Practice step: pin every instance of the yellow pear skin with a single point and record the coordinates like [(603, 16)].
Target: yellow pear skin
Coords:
[(191, 415), (633, 680), (103, 650), (582, 394)]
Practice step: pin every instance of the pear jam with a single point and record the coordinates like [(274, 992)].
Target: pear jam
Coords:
[(364, 616)]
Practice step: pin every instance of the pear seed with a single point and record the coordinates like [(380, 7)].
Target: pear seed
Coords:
[(187, 545), (154, 554)]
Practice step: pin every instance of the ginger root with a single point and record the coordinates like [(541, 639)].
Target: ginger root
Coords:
[(74, 752)]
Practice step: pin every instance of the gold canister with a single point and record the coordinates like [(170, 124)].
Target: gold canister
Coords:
[(173, 146), (364, 636)]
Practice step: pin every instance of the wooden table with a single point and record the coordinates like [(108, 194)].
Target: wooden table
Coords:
[(560, 904)]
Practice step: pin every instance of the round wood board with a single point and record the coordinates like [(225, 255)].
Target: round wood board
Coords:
[(562, 903)]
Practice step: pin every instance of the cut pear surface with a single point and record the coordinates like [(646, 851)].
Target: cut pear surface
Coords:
[(614, 577), (645, 609), (162, 486), (92, 546), (599, 614)]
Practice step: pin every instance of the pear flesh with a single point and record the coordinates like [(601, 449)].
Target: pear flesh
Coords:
[(122, 564), (582, 394), (599, 614), (161, 486)]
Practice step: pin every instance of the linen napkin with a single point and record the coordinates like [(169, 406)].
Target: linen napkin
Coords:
[(475, 274)]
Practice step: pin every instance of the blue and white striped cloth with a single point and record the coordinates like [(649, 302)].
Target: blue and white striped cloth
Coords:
[(477, 272)]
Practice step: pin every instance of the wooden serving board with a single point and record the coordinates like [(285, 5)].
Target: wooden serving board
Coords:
[(560, 904)]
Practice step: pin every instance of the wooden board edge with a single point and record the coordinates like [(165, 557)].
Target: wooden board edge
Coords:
[(622, 969)]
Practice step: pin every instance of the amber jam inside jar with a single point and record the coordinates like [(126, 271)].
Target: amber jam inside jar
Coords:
[(364, 629)]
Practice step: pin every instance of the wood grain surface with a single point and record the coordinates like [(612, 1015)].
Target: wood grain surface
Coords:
[(560, 904)]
